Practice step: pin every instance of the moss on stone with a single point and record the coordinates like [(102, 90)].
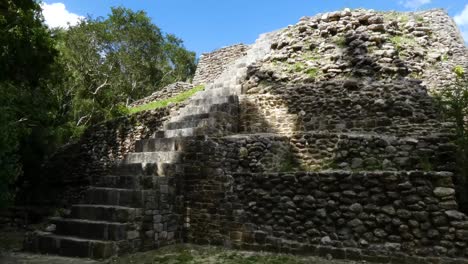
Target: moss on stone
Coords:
[(402, 42), (163, 103), (339, 41)]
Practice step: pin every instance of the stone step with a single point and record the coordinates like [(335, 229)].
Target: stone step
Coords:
[(48, 243), (124, 182), (230, 108), (228, 129), (105, 213), (119, 197), (214, 100), (152, 157), (194, 117), (215, 93), (212, 119), (184, 132), (89, 229), (134, 169), (160, 144)]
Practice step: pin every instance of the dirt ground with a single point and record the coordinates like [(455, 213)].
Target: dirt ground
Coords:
[(11, 244)]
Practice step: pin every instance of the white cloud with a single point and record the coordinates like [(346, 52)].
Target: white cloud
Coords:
[(462, 21), (462, 18), (414, 4), (57, 15)]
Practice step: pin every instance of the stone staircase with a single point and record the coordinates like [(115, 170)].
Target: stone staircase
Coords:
[(127, 210)]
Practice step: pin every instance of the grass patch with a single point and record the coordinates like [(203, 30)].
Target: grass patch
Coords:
[(420, 19), (401, 42), (425, 163), (298, 67), (313, 72), (395, 16), (340, 41), (445, 57), (191, 254), (163, 103), (11, 239)]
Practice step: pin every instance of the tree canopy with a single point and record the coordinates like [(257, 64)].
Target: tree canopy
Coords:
[(114, 61), (54, 83)]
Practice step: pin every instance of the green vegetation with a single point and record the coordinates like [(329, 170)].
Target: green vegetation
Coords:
[(425, 163), (313, 73), (453, 101), (114, 61), (401, 42), (396, 16), (340, 41), (420, 19), (445, 57), (288, 163), (415, 75), (162, 103), (56, 83), (298, 67), (188, 254), (27, 113)]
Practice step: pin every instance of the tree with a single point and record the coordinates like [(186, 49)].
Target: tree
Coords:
[(27, 54), (114, 61)]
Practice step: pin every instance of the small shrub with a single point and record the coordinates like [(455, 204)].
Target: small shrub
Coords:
[(340, 41), (298, 67), (395, 16), (445, 57), (425, 163), (453, 102), (420, 19), (313, 73), (401, 42)]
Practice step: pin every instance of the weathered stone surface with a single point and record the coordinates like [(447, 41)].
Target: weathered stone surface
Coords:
[(328, 144)]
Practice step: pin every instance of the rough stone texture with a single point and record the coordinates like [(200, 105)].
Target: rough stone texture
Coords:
[(321, 150), (323, 139), (376, 213), (212, 64), (166, 92), (391, 107)]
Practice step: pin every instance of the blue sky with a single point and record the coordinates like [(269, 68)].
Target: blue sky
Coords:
[(206, 25)]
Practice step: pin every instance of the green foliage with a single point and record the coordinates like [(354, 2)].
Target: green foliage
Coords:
[(396, 16), (298, 67), (163, 103), (53, 84), (340, 41), (313, 72), (453, 101), (459, 71), (27, 110), (26, 50), (445, 57), (9, 167), (425, 163), (402, 42), (113, 61), (420, 19), (188, 254)]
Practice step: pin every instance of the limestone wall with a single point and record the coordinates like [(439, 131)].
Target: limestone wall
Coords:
[(211, 65), (354, 151), (347, 214), (396, 107)]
